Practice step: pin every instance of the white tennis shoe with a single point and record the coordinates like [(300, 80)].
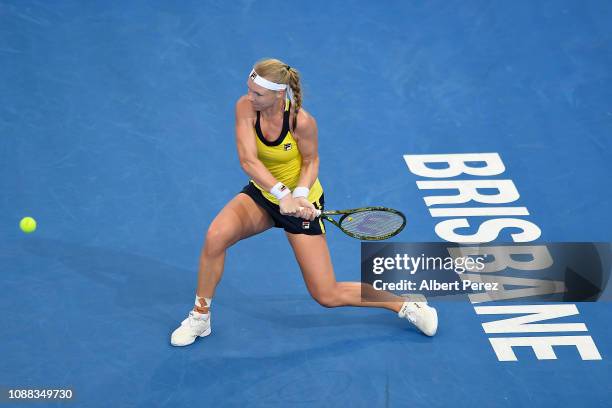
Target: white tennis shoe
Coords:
[(195, 325), (423, 316)]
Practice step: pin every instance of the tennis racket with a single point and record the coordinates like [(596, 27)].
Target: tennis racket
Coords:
[(367, 223)]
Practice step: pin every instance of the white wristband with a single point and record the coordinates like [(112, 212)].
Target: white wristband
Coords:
[(280, 190), (301, 192)]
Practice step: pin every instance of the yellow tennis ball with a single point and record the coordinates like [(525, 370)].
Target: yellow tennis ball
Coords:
[(350, 218), (27, 225)]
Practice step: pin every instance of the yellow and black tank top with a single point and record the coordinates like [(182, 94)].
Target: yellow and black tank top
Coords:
[(283, 159)]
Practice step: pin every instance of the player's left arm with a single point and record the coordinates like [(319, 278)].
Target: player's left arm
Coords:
[(307, 140), (306, 135)]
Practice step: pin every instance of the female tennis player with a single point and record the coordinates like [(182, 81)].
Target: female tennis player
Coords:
[(277, 147)]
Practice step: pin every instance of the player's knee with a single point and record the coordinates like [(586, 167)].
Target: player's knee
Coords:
[(218, 238), (328, 298)]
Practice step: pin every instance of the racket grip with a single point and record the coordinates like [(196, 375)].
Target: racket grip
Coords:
[(317, 212)]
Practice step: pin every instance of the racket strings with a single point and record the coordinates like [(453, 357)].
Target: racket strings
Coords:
[(372, 223)]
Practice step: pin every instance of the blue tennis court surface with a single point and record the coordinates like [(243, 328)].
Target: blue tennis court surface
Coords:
[(117, 135)]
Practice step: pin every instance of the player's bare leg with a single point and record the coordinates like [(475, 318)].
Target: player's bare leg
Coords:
[(312, 254), (239, 219)]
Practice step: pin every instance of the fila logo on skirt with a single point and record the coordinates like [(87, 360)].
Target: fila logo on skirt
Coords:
[(305, 224)]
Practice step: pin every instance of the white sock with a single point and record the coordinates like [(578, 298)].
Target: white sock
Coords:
[(208, 302)]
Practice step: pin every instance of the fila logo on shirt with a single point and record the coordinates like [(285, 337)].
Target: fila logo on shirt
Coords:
[(287, 146)]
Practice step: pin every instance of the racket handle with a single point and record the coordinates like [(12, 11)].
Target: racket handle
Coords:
[(317, 212)]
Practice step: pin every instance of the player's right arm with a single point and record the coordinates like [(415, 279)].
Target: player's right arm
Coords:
[(247, 147), (247, 154)]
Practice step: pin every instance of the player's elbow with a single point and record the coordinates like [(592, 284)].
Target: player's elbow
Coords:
[(311, 160), (311, 163), (246, 163)]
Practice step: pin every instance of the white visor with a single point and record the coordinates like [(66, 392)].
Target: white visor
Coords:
[(273, 86)]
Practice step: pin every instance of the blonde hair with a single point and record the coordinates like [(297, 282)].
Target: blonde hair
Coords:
[(277, 71)]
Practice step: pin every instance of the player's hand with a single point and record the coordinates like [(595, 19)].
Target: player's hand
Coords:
[(289, 206), (308, 210)]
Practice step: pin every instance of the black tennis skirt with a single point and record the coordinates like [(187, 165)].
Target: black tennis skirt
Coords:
[(290, 224)]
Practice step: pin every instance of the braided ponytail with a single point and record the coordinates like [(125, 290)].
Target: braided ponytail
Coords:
[(296, 88)]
